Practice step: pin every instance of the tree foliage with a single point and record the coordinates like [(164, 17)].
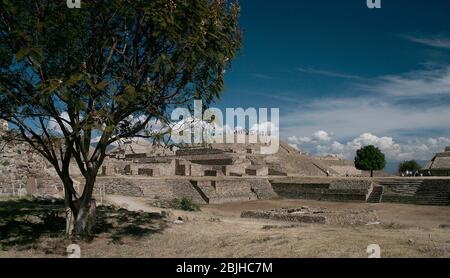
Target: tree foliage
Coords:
[(411, 165), (370, 158), (107, 70)]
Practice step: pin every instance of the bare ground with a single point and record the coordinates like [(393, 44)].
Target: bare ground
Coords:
[(218, 231)]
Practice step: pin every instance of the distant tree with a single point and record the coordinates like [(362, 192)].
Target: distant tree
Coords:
[(370, 159), (106, 70), (411, 165)]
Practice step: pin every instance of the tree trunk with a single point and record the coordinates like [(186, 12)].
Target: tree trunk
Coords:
[(85, 220), (85, 216), (80, 221), (371, 173), (80, 212), (70, 221), (69, 203)]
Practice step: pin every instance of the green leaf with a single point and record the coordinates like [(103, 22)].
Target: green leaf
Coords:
[(102, 85), (22, 53)]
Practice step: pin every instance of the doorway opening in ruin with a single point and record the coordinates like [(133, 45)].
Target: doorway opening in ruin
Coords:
[(180, 170), (145, 172), (210, 173)]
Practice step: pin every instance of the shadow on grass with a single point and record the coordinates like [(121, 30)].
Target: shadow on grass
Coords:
[(121, 223), (25, 223)]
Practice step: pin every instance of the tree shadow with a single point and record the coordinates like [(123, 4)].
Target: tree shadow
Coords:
[(25, 223), (121, 223)]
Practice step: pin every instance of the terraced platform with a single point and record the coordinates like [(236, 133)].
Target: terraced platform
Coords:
[(416, 191), (426, 191)]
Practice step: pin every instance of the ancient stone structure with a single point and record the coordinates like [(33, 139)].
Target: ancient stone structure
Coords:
[(140, 158), (217, 173), (24, 172), (342, 167), (200, 190), (331, 190), (439, 165), (3, 125), (387, 190), (414, 191), (316, 216)]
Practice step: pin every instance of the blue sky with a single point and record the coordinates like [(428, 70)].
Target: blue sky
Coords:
[(345, 76)]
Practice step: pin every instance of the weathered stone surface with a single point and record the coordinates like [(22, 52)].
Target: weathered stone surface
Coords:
[(316, 216), (25, 172), (332, 190), (203, 191)]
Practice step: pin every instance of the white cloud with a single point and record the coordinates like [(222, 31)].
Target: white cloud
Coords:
[(299, 140), (380, 107), (350, 117), (54, 127), (321, 136), (419, 83), (434, 41), (294, 146), (417, 149), (318, 136), (386, 144), (337, 147), (328, 73)]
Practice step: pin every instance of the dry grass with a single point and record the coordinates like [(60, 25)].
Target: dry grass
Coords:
[(218, 231)]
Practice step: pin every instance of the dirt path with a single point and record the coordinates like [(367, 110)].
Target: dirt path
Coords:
[(131, 203)]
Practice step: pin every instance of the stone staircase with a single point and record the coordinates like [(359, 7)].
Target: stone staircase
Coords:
[(200, 188), (324, 169), (416, 191), (376, 195), (433, 193), (401, 186), (400, 190)]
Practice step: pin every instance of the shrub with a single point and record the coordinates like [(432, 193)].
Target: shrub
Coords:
[(412, 166), (185, 204)]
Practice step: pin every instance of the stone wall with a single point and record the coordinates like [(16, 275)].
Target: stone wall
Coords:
[(238, 167), (334, 190), (345, 170), (157, 189), (416, 191), (24, 172), (113, 167), (431, 191), (202, 191), (238, 190), (316, 215), (257, 171)]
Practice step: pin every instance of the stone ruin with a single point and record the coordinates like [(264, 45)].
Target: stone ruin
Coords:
[(316, 216), (140, 158), (341, 166), (3, 125), (24, 172), (439, 165)]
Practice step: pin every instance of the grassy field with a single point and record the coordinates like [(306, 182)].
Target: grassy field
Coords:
[(35, 229)]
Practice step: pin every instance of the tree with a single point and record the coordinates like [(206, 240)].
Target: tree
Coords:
[(370, 159), (106, 70), (411, 165)]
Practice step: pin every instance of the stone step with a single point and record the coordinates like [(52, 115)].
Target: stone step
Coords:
[(376, 195), (400, 182)]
